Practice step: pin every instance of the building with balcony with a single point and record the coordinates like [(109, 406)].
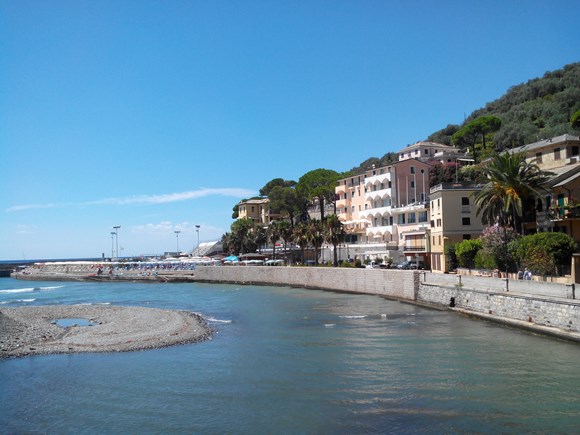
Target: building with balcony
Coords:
[(429, 151), (385, 208), (559, 210)]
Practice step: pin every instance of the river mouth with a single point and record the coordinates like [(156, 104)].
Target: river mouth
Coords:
[(69, 322)]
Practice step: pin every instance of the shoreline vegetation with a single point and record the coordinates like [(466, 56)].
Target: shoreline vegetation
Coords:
[(35, 331)]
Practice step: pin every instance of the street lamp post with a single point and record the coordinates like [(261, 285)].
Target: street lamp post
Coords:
[(197, 229), (177, 236), (112, 245), (116, 228)]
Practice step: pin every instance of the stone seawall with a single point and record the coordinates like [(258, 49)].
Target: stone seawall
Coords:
[(396, 284), (525, 311)]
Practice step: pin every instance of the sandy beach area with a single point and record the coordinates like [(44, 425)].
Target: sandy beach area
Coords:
[(99, 328)]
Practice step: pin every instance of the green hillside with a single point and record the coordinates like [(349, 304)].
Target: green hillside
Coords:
[(538, 109)]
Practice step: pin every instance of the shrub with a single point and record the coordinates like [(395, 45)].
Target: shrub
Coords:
[(466, 252), (484, 260), (496, 241), (450, 257), (543, 252)]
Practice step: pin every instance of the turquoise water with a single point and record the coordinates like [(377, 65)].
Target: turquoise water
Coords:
[(288, 360)]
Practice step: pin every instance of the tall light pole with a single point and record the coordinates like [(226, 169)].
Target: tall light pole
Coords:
[(177, 236), (116, 228), (197, 229), (112, 245)]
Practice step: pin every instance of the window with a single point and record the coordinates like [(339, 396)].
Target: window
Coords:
[(438, 222), (426, 152), (401, 219), (464, 200), (423, 216), (539, 157), (466, 221), (467, 237), (433, 239), (412, 184), (412, 218), (432, 224), (574, 150), (556, 153), (439, 240)]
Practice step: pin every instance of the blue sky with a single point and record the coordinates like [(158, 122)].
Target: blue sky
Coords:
[(162, 115)]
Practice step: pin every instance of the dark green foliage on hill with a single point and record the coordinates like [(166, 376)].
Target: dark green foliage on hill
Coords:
[(539, 109), (386, 160)]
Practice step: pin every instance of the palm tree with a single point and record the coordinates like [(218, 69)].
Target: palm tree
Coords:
[(334, 233), (512, 184), (316, 236), (301, 236), (273, 233), (286, 232)]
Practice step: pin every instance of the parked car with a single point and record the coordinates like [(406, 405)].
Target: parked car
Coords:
[(411, 265)]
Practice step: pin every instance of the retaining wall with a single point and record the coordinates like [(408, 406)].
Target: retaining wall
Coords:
[(396, 284), (559, 313)]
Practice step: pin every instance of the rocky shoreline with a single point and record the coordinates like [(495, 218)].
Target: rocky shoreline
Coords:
[(34, 330)]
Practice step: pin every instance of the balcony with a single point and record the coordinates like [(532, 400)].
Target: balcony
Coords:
[(378, 194), (376, 212), (409, 249), (377, 179)]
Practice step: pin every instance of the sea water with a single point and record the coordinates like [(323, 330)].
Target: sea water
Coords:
[(287, 360)]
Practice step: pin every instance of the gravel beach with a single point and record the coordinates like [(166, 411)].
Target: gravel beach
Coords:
[(33, 330)]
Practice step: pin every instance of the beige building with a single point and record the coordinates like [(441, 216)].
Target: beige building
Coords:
[(257, 210), (429, 151), (453, 218), (560, 209)]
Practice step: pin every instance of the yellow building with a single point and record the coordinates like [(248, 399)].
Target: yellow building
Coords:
[(453, 218), (257, 210)]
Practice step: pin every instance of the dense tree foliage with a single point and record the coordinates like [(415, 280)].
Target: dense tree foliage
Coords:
[(542, 253), (469, 135), (318, 184), (368, 164), (276, 182), (289, 202), (539, 109), (466, 252)]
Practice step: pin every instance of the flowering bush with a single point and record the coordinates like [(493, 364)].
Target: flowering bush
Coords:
[(496, 242)]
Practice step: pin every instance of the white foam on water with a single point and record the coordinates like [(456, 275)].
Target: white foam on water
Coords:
[(50, 288), (354, 317), (15, 301), (329, 325), (214, 320), (18, 290)]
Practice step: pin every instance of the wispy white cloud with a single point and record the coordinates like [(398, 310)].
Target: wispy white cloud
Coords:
[(25, 229), (145, 199)]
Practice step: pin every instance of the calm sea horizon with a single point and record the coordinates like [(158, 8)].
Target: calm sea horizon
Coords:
[(291, 360)]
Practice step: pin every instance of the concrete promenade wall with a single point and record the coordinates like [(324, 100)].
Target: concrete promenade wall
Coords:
[(481, 296), (396, 284), (490, 284)]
